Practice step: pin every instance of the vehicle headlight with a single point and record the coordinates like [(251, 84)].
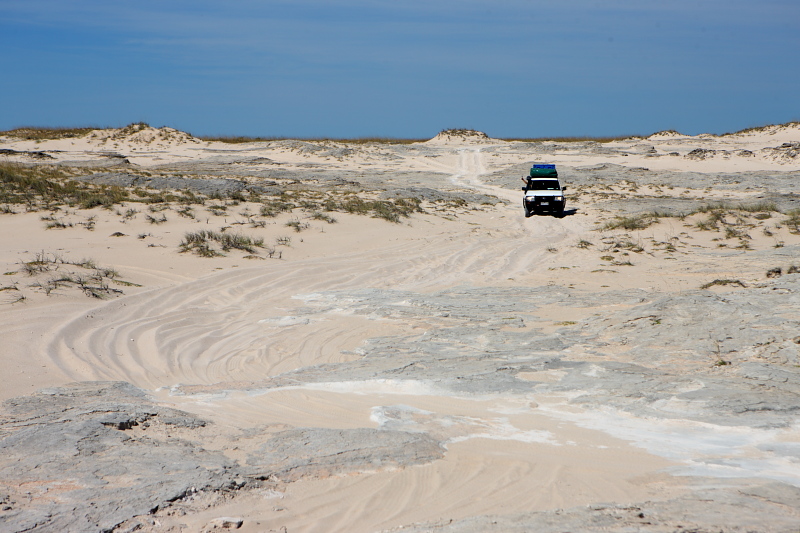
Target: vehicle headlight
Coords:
[(559, 198)]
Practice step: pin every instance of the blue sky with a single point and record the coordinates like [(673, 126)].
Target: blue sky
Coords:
[(308, 68)]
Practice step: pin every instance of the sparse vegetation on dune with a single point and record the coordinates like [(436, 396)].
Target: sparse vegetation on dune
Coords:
[(52, 188), (206, 243), (733, 219), (777, 272), (240, 139), (157, 219), (38, 133), (793, 221), (34, 133), (275, 207), (732, 223), (723, 282), (574, 139), (322, 216), (51, 272), (758, 129), (633, 222), (462, 132), (47, 133), (297, 225), (757, 207), (43, 186), (390, 210)]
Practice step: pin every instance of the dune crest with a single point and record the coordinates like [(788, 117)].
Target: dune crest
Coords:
[(460, 137)]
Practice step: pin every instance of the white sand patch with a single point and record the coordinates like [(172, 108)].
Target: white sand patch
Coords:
[(285, 321), (455, 428), (703, 449)]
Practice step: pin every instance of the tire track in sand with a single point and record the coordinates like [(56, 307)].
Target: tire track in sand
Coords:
[(250, 324), (238, 324)]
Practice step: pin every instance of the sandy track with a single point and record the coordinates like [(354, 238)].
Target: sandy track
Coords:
[(242, 325), (251, 324)]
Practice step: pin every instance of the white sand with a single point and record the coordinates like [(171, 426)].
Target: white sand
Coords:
[(222, 321)]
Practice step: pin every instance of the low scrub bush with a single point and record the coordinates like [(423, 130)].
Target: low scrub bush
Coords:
[(390, 210), (723, 282), (83, 274), (45, 185), (203, 243), (635, 222), (793, 221)]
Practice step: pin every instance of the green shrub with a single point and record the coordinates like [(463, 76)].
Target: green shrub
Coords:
[(723, 282), (200, 243)]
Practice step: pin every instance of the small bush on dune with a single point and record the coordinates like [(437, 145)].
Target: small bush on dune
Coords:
[(201, 243), (237, 241), (723, 282), (760, 207), (322, 216), (390, 210), (83, 274), (272, 209), (156, 220), (297, 225), (633, 222), (793, 220)]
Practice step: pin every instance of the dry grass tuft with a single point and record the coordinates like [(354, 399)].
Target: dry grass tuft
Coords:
[(635, 222), (204, 243), (723, 282)]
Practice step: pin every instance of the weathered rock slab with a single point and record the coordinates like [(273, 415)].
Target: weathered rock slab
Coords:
[(69, 462), (318, 452)]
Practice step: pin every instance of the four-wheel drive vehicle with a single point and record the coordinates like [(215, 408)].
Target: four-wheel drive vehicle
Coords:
[(543, 192)]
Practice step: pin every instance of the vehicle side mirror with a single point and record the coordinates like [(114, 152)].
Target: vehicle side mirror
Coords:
[(564, 188), (523, 188)]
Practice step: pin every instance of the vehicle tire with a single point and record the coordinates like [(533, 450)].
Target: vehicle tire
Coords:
[(559, 213)]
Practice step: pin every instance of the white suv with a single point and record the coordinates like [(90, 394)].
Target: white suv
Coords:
[(544, 195)]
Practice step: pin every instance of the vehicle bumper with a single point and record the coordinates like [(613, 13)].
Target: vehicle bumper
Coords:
[(544, 205)]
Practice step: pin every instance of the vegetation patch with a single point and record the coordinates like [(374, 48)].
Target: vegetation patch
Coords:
[(53, 272), (206, 243), (43, 186), (322, 216), (723, 282), (569, 139), (240, 139), (391, 210), (41, 134), (297, 225), (793, 221), (635, 222)]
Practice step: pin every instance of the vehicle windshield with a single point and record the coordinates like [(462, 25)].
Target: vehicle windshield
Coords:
[(543, 185)]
